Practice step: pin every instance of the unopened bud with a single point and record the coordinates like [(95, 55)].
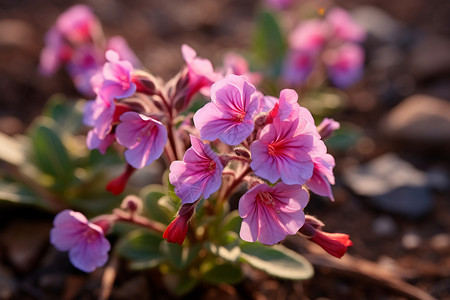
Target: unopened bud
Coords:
[(145, 82), (260, 120), (327, 127), (243, 152), (132, 203)]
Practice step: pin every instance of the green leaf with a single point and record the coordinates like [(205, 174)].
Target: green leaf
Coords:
[(185, 285), (11, 192), (268, 43), (229, 253), (221, 273), (67, 115), (50, 155), (157, 205), (143, 249), (180, 256), (276, 260), (232, 222)]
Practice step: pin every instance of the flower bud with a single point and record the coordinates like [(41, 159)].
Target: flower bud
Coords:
[(117, 185), (334, 243), (327, 127), (243, 152), (145, 82), (132, 204), (177, 229)]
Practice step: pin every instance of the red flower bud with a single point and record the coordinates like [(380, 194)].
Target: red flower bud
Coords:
[(117, 185), (334, 243), (177, 229)]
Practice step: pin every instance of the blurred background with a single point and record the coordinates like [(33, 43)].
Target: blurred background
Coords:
[(392, 154)]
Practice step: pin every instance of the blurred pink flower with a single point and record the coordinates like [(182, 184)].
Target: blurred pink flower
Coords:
[(119, 44), (271, 213), (238, 65), (78, 25), (143, 136), (199, 173), (88, 248), (297, 67), (279, 4), (345, 64), (343, 26), (309, 36), (229, 115)]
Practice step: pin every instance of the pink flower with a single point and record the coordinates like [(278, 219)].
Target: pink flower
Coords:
[(117, 77), (271, 213), (177, 229), (284, 150), (237, 65), (55, 53), (327, 127), (144, 137), (309, 36), (201, 74), (84, 64), (78, 25), (322, 176), (88, 248), (199, 173), (279, 4), (343, 27), (229, 116), (120, 45), (297, 67), (345, 65), (286, 107)]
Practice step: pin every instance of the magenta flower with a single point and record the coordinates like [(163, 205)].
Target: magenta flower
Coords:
[(284, 150), (88, 248), (99, 113), (55, 52), (309, 36), (286, 107), (78, 25), (120, 45), (343, 27), (297, 67), (322, 178), (229, 116), (84, 64), (199, 173), (144, 137), (117, 77), (93, 141), (279, 4), (271, 213), (201, 74), (345, 64)]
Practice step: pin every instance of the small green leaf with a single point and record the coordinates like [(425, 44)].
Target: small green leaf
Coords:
[(185, 285), (66, 114), (268, 43), (276, 260), (221, 273), (50, 155), (229, 253), (142, 248), (180, 256), (157, 205), (232, 222), (11, 192)]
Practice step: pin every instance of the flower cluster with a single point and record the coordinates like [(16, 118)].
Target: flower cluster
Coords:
[(332, 41), (77, 42), (240, 136), (275, 140)]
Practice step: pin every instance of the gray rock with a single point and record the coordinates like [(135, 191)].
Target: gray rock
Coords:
[(378, 23), (392, 185), (419, 119), (430, 57), (384, 226)]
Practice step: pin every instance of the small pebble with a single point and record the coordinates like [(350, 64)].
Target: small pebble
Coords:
[(411, 240), (384, 226)]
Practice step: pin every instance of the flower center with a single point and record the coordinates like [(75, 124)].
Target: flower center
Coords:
[(212, 165), (272, 150), (90, 235), (265, 197), (239, 117)]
